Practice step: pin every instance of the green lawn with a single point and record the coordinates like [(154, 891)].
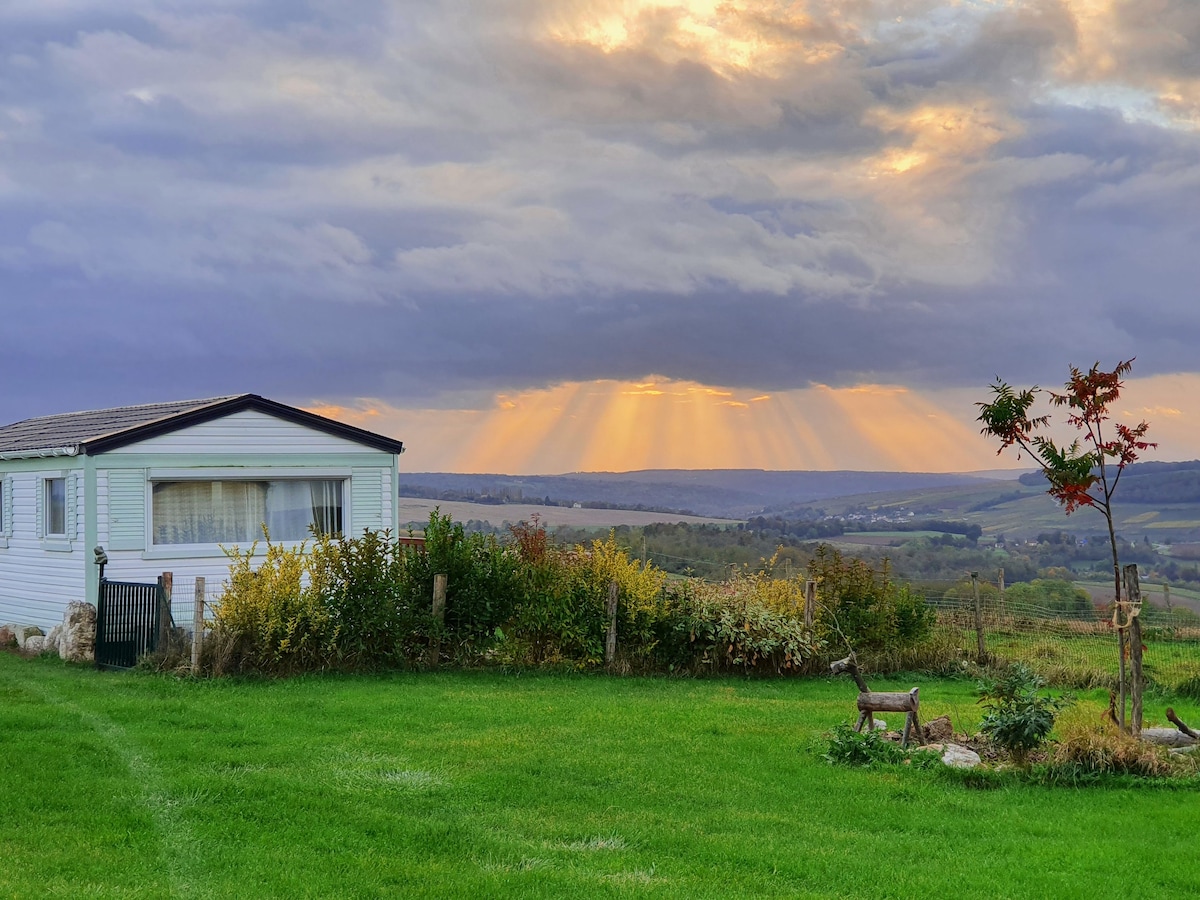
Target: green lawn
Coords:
[(491, 785)]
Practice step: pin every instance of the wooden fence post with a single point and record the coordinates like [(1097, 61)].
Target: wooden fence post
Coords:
[(167, 581), (610, 644), (198, 625), (980, 646), (439, 618), (1000, 585), (810, 602), (1167, 594), (1133, 594)]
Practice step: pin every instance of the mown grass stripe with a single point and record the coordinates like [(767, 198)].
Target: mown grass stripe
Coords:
[(181, 852)]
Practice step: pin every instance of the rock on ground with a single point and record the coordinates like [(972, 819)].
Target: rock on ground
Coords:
[(955, 755), (1170, 737), (78, 641), (939, 730), (24, 632)]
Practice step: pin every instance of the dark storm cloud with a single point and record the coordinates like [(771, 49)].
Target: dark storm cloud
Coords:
[(396, 200)]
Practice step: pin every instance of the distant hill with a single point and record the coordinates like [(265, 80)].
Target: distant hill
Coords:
[(1156, 502), (1150, 482), (731, 493)]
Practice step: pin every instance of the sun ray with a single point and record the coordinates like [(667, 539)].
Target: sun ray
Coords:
[(658, 422)]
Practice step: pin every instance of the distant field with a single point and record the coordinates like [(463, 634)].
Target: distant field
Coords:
[(1102, 592), (882, 538), (416, 512), (1026, 515)]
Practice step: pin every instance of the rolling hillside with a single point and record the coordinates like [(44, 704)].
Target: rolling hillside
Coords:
[(1156, 501), (726, 493)]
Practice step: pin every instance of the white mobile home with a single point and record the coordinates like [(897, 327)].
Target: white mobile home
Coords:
[(163, 486)]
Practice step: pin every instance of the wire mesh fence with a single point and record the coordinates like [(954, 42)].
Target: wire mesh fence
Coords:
[(184, 595), (1075, 647)]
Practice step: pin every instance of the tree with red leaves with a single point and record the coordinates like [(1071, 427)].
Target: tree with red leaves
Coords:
[(1086, 472)]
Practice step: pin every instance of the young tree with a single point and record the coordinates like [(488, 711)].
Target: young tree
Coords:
[(1086, 472)]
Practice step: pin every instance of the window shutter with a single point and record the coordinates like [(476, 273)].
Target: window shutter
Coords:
[(127, 509), (72, 490), (39, 490), (366, 500), (7, 487)]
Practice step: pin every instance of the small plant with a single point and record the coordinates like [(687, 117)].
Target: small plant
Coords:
[(848, 747), (1018, 719)]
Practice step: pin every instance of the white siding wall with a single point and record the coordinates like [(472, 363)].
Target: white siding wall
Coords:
[(246, 431), (36, 584), (129, 565), (387, 498), (366, 504)]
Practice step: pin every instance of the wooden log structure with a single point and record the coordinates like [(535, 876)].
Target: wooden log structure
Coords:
[(871, 702), (1180, 724)]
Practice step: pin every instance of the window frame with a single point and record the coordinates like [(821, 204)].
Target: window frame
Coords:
[(48, 533), (154, 550)]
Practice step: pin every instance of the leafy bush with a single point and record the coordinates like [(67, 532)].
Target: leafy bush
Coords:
[(268, 620), (561, 611), (734, 626), (1052, 594), (362, 583), (482, 586), (1018, 718), (870, 610)]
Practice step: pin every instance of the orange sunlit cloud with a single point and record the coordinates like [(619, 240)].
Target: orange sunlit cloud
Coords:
[(621, 426), (615, 426), (729, 36)]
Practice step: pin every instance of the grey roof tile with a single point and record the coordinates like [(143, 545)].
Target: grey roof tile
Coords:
[(70, 430)]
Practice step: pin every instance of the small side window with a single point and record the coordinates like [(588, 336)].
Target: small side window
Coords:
[(55, 504)]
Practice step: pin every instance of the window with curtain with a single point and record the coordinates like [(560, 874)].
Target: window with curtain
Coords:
[(230, 512)]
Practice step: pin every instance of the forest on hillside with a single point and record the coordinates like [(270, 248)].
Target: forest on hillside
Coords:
[(710, 551)]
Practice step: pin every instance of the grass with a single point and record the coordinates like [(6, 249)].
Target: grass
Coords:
[(481, 784)]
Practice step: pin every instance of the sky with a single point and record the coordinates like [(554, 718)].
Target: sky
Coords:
[(539, 236)]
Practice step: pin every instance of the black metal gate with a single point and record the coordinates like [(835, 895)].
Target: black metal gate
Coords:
[(127, 622)]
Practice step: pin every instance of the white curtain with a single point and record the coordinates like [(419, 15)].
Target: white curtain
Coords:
[(227, 512), (326, 506), (208, 512), (289, 510)]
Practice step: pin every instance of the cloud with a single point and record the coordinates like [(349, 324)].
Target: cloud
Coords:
[(448, 197)]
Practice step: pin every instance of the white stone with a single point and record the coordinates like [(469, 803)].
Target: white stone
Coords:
[(955, 755), (78, 641), (35, 643), (53, 638), (24, 632)]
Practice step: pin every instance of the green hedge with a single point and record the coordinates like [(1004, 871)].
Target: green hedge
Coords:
[(365, 603)]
